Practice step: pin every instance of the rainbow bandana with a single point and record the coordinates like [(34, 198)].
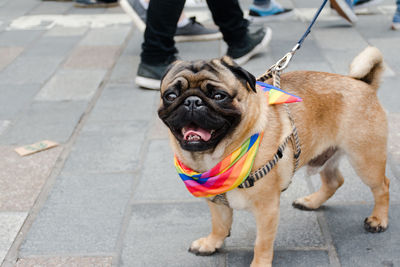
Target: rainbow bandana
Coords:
[(276, 95), (226, 175)]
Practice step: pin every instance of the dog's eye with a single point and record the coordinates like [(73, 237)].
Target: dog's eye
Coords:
[(218, 96), (170, 97)]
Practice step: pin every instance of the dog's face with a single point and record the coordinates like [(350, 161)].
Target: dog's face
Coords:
[(202, 102)]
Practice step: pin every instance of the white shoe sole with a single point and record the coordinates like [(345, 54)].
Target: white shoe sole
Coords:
[(269, 18), (197, 38), (257, 49), (133, 15), (148, 83), (346, 12)]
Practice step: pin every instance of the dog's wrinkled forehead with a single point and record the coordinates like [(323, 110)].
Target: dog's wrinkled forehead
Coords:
[(222, 72)]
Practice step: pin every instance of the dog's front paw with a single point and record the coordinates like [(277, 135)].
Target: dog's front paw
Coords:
[(205, 246), (375, 225), (304, 204)]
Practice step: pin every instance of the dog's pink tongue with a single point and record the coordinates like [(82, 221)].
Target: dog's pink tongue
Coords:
[(205, 135)]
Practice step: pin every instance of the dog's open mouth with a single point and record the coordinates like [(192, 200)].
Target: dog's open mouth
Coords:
[(194, 133), (195, 138)]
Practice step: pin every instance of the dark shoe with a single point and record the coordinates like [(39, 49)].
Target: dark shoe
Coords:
[(96, 3), (149, 76), (252, 44), (194, 31)]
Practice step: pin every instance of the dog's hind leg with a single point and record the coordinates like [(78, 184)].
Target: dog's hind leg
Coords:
[(370, 166), (221, 219), (331, 179)]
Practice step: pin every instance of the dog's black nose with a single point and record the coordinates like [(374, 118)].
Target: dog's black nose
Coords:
[(193, 102)]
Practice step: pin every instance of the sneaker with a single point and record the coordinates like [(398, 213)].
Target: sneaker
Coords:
[(195, 3), (259, 14), (253, 44), (345, 9), (96, 3), (360, 4), (193, 31), (149, 76), (396, 21)]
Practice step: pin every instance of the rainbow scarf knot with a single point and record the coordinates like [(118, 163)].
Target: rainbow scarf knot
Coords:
[(226, 175)]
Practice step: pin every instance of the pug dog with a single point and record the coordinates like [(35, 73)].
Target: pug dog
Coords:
[(212, 107)]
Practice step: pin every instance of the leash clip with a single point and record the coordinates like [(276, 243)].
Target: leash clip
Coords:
[(283, 62)]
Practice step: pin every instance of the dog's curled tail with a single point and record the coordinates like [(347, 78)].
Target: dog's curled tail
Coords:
[(368, 66)]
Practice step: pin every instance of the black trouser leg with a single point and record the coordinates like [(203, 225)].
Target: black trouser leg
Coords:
[(162, 17), (228, 15)]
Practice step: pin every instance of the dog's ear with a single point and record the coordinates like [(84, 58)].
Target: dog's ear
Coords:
[(248, 79), (176, 62)]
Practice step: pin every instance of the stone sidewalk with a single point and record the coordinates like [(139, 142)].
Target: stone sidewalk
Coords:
[(109, 195)]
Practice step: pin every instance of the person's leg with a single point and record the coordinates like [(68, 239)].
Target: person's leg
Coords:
[(228, 15), (162, 17), (242, 44)]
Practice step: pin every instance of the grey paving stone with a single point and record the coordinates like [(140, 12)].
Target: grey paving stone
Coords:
[(202, 50), (82, 216), (159, 180), (107, 147), (354, 190), (15, 97), (297, 229), (49, 7), (388, 48), (375, 25), (340, 46), (284, 258), (66, 31), (92, 57), (132, 103), (30, 69), (161, 234), (125, 70), (387, 97), (158, 130), (10, 224), (394, 143), (19, 38), (53, 46), (133, 48), (3, 126), (87, 11), (22, 178), (70, 84), (65, 261), (355, 246), (106, 36), (45, 120), (17, 8), (8, 54)]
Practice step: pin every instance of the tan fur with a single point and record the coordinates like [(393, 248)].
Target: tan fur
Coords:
[(337, 111)]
